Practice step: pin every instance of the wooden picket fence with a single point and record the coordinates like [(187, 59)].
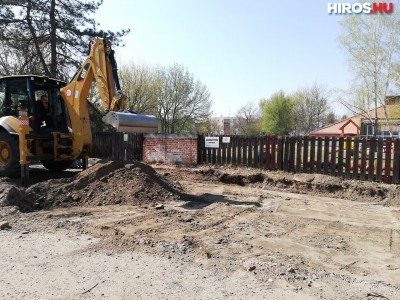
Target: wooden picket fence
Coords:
[(240, 151), (118, 146), (372, 159)]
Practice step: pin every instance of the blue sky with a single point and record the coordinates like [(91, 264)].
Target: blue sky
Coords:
[(241, 50)]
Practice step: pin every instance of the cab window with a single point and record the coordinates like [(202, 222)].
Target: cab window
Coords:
[(17, 95)]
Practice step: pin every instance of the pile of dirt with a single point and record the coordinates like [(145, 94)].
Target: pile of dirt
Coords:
[(10, 195), (117, 182), (105, 183)]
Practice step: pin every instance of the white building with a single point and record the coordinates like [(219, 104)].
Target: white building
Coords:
[(225, 126)]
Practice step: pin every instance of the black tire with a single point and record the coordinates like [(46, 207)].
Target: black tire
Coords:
[(57, 166), (9, 154)]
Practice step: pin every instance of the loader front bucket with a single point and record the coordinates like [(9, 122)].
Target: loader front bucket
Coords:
[(130, 122)]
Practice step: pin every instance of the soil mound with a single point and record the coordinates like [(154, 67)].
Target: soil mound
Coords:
[(10, 195), (105, 183)]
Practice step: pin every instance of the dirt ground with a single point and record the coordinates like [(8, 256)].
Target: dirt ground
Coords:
[(134, 231)]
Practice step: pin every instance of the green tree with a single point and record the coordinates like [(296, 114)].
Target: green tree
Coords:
[(331, 118), (54, 33), (278, 114), (140, 86)]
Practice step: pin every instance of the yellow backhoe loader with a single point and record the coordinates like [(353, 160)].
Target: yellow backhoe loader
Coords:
[(58, 132)]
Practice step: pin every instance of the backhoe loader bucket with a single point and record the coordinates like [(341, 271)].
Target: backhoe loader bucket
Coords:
[(129, 122)]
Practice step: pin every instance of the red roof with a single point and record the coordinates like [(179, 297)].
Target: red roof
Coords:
[(350, 126)]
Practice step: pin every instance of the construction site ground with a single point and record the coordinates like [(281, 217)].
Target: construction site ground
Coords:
[(134, 231)]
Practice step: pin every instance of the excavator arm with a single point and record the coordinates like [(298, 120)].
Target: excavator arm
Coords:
[(100, 66)]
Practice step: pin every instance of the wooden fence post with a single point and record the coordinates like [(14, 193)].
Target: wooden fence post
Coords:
[(349, 152), (371, 162), (232, 156), (261, 152), (356, 155), (388, 160), (244, 149), (396, 161), (332, 163), (229, 149), (363, 158), (306, 162), (266, 157), (319, 155), (326, 155), (280, 153), (250, 151), (274, 141), (256, 152), (299, 144), (379, 158), (292, 150), (312, 155), (285, 162), (340, 156)]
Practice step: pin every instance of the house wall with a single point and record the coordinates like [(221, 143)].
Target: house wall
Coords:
[(170, 148)]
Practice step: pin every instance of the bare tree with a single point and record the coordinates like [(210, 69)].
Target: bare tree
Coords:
[(21, 60), (215, 125), (312, 107), (372, 44), (182, 101), (248, 118)]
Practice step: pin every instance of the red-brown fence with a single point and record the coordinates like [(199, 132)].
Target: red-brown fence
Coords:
[(372, 159)]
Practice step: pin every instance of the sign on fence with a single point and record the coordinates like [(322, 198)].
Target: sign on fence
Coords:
[(226, 139), (211, 142)]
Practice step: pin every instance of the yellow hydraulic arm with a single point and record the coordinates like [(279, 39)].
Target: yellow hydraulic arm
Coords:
[(99, 67)]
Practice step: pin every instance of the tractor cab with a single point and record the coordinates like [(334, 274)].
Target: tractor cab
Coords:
[(32, 111), (27, 91)]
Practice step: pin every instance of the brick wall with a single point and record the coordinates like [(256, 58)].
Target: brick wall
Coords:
[(170, 148)]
